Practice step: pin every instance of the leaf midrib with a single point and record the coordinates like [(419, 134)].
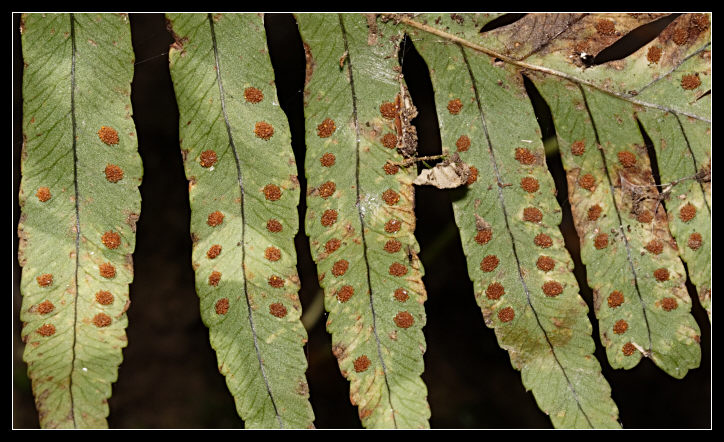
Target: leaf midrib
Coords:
[(77, 214), (501, 198), (243, 218), (361, 216)]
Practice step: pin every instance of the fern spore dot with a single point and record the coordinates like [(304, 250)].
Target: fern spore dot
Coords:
[(326, 128), (215, 218), (404, 319), (222, 306), (102, 320), (277, 309), (43, 194), (113, 173), (44, 280), (263, 130)]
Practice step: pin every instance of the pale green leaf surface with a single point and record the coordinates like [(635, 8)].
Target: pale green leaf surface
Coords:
[(77, 78), (548, 336), (376, 334), (248, 291)]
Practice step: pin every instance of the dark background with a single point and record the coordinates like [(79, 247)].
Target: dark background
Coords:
[(169, 377)]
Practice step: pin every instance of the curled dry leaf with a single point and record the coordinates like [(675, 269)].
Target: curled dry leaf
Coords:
[(449, 174)]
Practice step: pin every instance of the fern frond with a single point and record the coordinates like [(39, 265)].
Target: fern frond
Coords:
[(244, 192), (80, 203), (360, 217)]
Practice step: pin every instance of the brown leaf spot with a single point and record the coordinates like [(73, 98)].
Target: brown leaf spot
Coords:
[(473, 176), (543, 240), (483, 236), (104, 297), (107, 270), (628, 349), (401, 295), (552, 288), (108, 135), (594, 212), (627, 159), (669, 304), (326, 128), (397, 269), (506, 315), (45, 307), (601, 241), (390, 169), (328, 159), (111, 239), (529, 184), (43, 194), (329, 217), (463, 143), (605, 27), (687, 213), (655, 246), (275, 226), (44, 280), (388, 110), (620, 327), (340, 267), (253, 95), (276, 281), (215, 219), (208, 158), (344, 293), (361, 364), (661, 275), (390, 197), (277, 309), (654, 54), (114, 173), (272, 253), (695, 241), (213, 251), (578, 147), (455, 106), (389, 141), (393, 225), (101, 320), (46, 330), (489, 263), (214, 278), (524, 156), (545, 263), (615, 299), (222, 306), (494, 291), (404, 320), (587, 181), (263, 130), (393, 246), (532, 214)]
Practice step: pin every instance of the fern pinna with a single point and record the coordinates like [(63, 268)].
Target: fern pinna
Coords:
[(80, 203), (633, 135)]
